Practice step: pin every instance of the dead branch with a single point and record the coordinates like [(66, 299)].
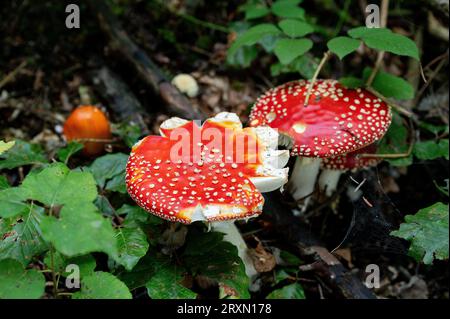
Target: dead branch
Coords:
[(146, 69), (324, 265)]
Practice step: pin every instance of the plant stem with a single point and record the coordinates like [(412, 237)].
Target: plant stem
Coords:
[(380, 56), (326, 55), (52, 262)]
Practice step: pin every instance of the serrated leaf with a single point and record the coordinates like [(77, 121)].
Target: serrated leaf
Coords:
[(57, 185), (430, 150), (19, 283), (342, 46), (132, 246), (390, 85), (166, 282), (80, 230), (287, 9), (5, 146), (287, 50), (21, 238), (72, 148), (12, 202), (295, 28), (428, 233), (222, 264), (253, 35), (102, 285), (351, 82), (107, 167), (292, 291), (22, 153), (385, 40)]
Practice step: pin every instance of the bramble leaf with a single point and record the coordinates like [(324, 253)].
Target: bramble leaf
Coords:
[(19, 283), (295, 28), (287, 50), (102, 285), (22, 153), (343, 46)]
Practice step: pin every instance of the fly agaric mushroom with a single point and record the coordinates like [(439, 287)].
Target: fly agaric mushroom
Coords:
[(336, 120), (212, 173), (333, 167), (88, 122)]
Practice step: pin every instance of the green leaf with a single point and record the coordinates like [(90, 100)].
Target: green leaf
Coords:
[(292, 291), (21, 237), (102, 285), (255, 11), (166, 282), (5, 146), (107, 167), (22, 153), (18, 283), (351, 82), (80, 230), (132, 244), (304, 64), (287, 50), (57, 185), (287, 9), (253, 35), (136, 216), (385, 40), (390, 85), (130, 133), (141, 273), (430, 150), (428, 233), (342, 46), (72, 148), (243, 56), (117, 184), (12, 202), (295, 28), (3, 183), (220, 262)]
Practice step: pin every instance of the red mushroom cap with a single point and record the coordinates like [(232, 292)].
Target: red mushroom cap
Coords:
[(352, 160), (336, 120), (208, 183)]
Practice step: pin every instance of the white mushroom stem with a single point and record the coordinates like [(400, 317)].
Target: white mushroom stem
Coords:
[(328, 180), (303, 179), (233, 236)]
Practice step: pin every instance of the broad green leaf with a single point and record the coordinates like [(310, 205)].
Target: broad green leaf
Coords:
[(435, 129), (141, 273), (3, 183), (166, 282), (136, 216), (21, 237), (292, 291), (268, 42), (80, 230), (102, 285), (428, 233), (57, 185), (351, 82), (72, 148), (221, 263), (5, 146), (19, 283), (107, 167), (132, 246), (287, 50), (130, 133), (430, 150), (287, 9), (385, 40), (289, 258), (243, 56), (342, 46), (304, 64), (255, 11), (86, 263), (295, 28), (390, 85), (12, 202), (253, 35), (117, 183), (22, 153)]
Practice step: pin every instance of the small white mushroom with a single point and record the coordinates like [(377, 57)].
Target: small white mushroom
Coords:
[(186, 84)]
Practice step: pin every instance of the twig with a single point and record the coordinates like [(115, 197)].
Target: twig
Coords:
[(9, 77), (326, 55), (380, 55), (399, 108), (433, 75)]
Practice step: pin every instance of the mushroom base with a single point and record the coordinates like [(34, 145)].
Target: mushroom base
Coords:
[(328, 180), (303, 179)]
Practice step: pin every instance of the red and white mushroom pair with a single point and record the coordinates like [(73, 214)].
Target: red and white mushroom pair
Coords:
[(215, 172)]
